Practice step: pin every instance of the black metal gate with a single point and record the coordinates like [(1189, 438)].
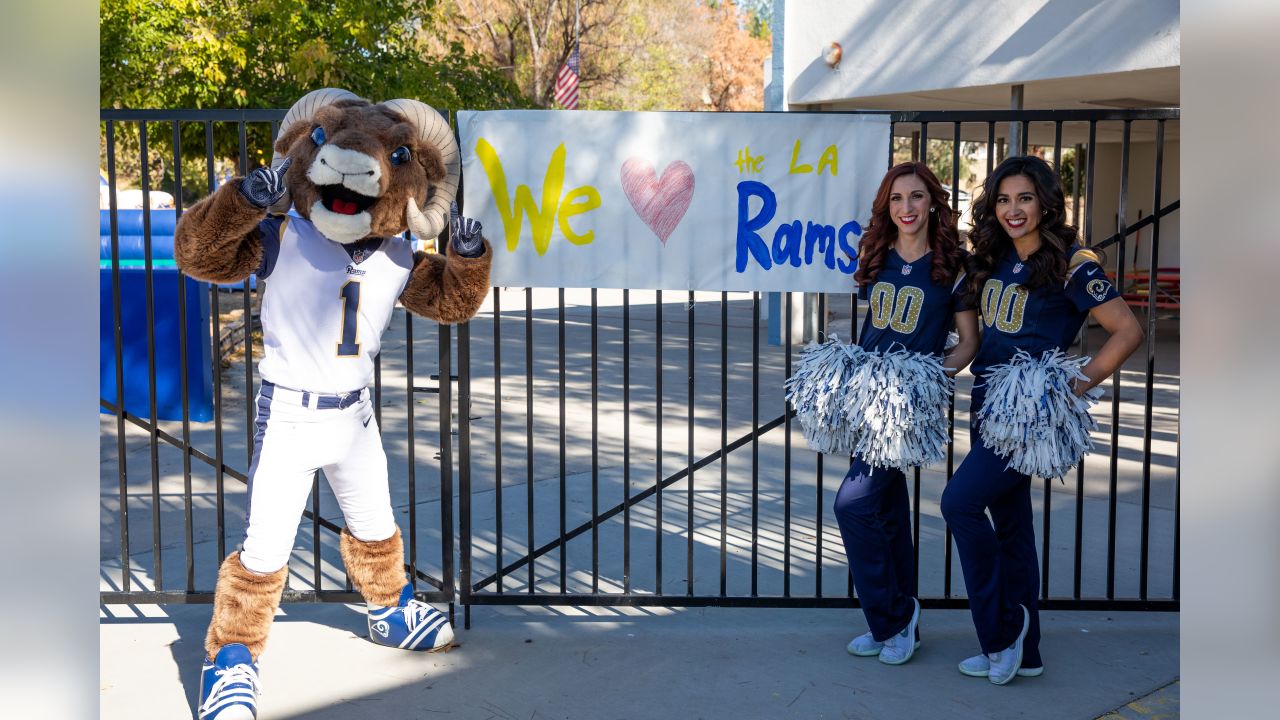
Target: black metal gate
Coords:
[(569, 493)]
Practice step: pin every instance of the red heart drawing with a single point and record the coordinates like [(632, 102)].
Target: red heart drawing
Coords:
[(660, 203)]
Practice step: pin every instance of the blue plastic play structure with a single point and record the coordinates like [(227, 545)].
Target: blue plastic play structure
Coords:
[(168, 322)]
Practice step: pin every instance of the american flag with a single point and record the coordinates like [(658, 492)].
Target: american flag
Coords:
[(566, 90)]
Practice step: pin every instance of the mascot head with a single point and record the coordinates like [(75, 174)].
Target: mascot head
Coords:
[(363, 170)]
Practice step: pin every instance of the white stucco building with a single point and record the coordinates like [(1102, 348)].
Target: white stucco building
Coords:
[(997, 55)]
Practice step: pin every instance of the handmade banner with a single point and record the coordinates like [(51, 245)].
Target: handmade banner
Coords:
[(672, 201)]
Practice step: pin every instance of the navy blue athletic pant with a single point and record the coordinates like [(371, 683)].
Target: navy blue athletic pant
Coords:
[(875, 523), (997, 555)]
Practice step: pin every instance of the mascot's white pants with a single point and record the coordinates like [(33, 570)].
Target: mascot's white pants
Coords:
[(291, 441)]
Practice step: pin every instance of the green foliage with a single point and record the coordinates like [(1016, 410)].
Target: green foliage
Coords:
[(268, 53), (184, 54), (759, 14)]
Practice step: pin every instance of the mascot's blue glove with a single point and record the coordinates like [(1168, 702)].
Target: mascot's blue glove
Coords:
[(464, 235), (265, 186)]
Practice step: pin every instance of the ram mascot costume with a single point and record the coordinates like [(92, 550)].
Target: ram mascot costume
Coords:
[(356, 174)]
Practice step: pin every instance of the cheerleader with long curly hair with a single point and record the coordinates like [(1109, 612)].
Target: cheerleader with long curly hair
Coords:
[(1034, 287), (911, 272)]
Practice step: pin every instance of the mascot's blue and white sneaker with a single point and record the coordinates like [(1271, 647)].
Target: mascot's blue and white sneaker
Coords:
[(229, 685), (410, 625)]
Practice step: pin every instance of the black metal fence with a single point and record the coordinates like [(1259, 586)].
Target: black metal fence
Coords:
[(572, 487)]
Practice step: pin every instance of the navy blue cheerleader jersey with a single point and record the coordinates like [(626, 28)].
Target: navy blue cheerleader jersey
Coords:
[(1046, 318), (907, 308)]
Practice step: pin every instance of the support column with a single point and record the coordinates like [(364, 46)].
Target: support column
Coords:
[(1015, 127)]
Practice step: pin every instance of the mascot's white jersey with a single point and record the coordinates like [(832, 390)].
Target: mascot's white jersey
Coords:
[(326, 304)]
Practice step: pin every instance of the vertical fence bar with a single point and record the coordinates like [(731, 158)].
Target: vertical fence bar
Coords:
[(991, 147), (626, 441), (820, 336), (377, 415), (892, 126), (448, 575), (1153, 270), (786, 458), (755, 442), (446, 460), (528, 380), (1177, 513), (564, 543), (184, 380), (595, 441), (951, 405), (377, 388), (924, 143), (1113, 486), (154, 425), (724, 442), (464, 470), (117, 329), (248, 321), (1048, 488), (689, 452), (1088, 241), (464, 465), (497, 433), (410, 442), (215, 313), (915, 525), (853, 337), (315, 530), (657, 523), (1075, 185)]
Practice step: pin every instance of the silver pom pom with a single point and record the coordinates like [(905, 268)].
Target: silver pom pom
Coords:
[(889, 408), (1032, 417), (816, 390)]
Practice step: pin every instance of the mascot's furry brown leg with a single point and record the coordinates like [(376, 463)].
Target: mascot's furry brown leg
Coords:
[(376, 568), (243, 607), (396, 619)]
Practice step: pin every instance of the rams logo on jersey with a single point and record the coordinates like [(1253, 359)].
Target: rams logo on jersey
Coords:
[(1098, 289)]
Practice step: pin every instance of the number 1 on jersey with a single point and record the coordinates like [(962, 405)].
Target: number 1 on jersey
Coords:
[(350, 294)]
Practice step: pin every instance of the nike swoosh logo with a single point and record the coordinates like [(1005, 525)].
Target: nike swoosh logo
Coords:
[(1092, 272), (366, 422)]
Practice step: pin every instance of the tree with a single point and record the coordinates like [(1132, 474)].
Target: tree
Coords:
[(530, 39), (759, 17), (268, 53), (634, 54), (474, 54), (735, 62)]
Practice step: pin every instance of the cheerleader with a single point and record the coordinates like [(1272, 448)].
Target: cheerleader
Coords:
[(911, 272), (1034, 287)]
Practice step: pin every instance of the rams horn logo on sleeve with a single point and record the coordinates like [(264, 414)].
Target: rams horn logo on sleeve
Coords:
[(1098, 289)]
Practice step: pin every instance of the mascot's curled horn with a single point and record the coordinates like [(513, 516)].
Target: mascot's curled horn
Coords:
[(357, 175)]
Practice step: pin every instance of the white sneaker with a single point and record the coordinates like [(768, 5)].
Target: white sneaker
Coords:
[(980, 666), (1005, 664), (864, 645), (899, 648)]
